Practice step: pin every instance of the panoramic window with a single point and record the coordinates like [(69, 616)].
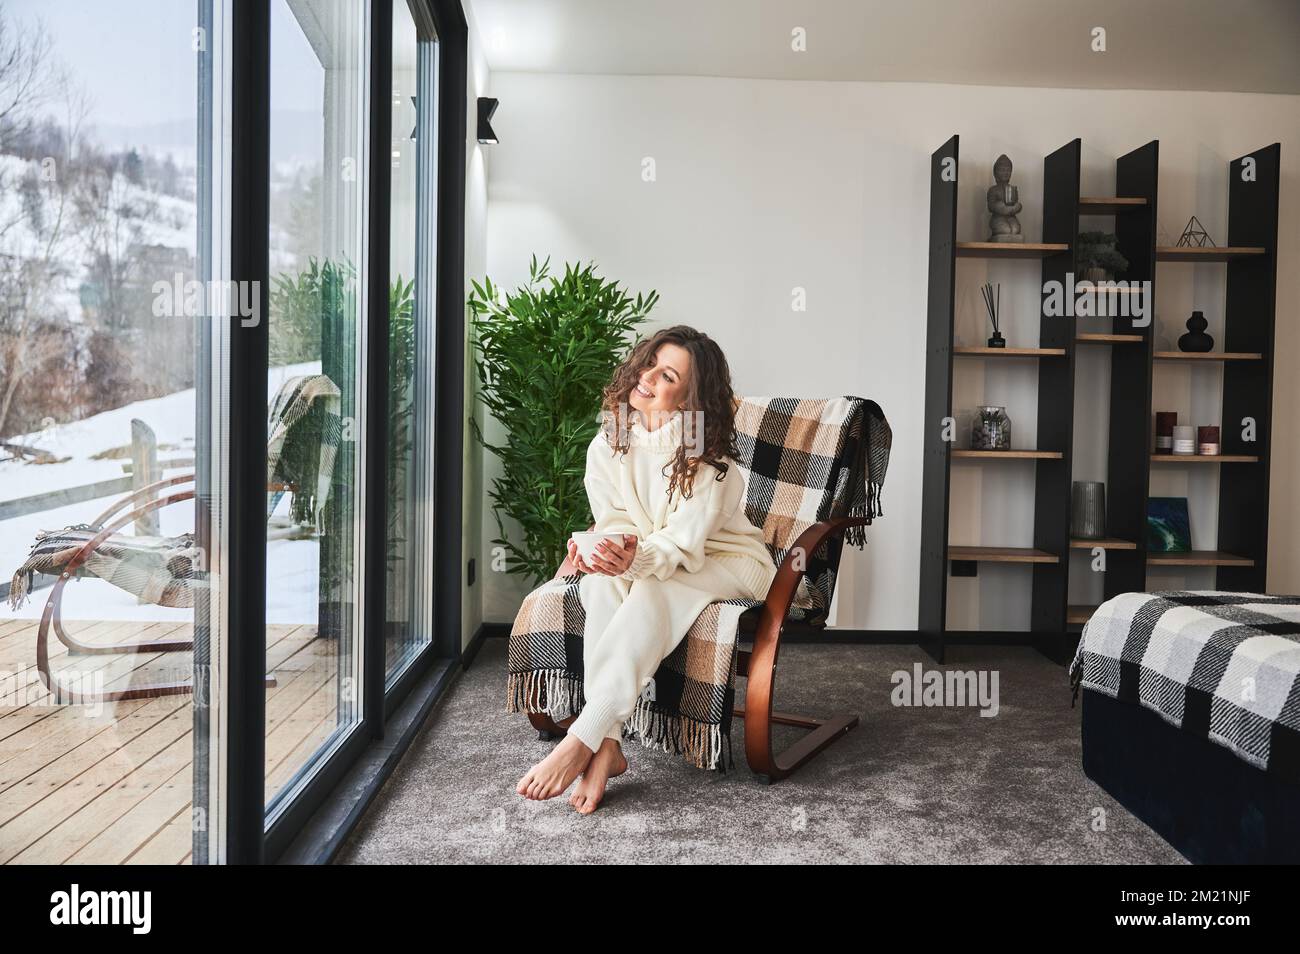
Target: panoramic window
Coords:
[(315, 442), (408, 613), (110, 367)]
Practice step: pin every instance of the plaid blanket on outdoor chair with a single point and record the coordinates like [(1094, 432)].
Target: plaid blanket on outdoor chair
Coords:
[(804, 461), (304, 429), (1220, 666)]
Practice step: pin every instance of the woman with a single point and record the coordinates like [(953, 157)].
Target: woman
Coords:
[(686, 543)]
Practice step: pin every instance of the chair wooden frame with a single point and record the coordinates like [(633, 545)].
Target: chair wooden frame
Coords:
[(52, 617), (758, 665)]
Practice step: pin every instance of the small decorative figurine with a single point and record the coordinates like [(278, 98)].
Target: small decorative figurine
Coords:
[(1195, 236), (1004, 203), (1196, 340), (993, 303)]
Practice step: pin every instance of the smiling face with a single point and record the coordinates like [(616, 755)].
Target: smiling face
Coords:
[(662, 387)]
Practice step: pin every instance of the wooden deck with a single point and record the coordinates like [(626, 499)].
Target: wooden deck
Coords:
[(114, 786)]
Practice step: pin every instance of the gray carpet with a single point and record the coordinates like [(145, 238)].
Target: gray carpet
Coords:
[(907, 785)]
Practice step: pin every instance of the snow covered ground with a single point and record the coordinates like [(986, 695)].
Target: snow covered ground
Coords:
[(292, 565)]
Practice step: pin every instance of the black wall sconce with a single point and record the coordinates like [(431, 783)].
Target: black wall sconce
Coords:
[(486, 107)]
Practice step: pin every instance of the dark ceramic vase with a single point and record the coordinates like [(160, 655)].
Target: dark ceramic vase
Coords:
[(1196, 339)]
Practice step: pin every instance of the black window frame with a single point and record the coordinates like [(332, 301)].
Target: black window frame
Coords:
[(248, 839)]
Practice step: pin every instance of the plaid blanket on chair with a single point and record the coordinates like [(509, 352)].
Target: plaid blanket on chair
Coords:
[(304, 431), (1221, 666), (159, 570), (804, 461)]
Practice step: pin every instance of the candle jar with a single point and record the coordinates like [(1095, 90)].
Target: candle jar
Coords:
[(1088, 509), (1184, 440), (1207, 440), (1165, 422), (991, 429)]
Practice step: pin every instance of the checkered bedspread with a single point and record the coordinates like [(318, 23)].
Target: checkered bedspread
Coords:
[(1222, 666)]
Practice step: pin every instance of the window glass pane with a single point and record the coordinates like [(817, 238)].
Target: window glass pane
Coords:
[(410, 464), (112, 467), (314, 440)]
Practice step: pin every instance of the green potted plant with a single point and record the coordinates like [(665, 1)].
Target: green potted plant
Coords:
[(543, 355), (313, 318), (1097, 258)]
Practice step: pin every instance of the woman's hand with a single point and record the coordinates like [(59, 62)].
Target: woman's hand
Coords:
[(612, 559), (576, 559)]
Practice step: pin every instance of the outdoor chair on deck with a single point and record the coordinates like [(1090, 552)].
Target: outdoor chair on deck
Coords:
[(303, 424), (813, 472)]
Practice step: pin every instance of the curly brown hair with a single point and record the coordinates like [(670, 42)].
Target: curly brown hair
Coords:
[(708, 393)]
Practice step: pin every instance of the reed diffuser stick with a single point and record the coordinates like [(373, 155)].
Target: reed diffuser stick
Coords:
[(992, 295)]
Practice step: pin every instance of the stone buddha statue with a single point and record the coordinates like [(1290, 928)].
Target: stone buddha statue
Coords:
[(1004, 204)]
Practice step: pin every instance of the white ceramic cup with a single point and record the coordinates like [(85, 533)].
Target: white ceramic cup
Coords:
[(588, 540)]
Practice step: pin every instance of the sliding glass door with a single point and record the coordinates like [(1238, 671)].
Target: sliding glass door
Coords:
[(218, 278), (315, 431), (114, 424), (408, 614)]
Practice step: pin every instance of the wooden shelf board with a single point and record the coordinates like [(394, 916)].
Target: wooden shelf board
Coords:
[(1079, 613), (1092, 288), (1208, 356), (1198, 558), (1111, 205), (1108, 339), (1204, 459), (1106, 543), (1007, 455), (1177, 253), (1010, 352), (1009, 249), (1001, 555)]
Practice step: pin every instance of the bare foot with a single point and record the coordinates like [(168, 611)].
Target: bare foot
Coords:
[(609, 762), (555, 773)]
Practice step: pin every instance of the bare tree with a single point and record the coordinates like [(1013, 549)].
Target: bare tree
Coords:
[(26, 77), (29, 76), (33, 332), (29, 341)]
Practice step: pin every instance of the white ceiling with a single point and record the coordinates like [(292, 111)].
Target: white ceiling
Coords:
[(1230, 45)]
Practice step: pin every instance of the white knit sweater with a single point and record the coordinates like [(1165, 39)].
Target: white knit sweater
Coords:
[(629, 494)]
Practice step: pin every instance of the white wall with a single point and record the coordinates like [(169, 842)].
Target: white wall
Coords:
[(765, 186)]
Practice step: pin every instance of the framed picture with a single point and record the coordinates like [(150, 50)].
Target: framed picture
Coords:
[(1169, 530)]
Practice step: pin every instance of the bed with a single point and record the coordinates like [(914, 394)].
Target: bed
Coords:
[(1191, 719)]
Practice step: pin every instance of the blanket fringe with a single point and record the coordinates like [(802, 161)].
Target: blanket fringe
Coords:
[(867, 506), (699, 743), (552, 691), (19, 588)]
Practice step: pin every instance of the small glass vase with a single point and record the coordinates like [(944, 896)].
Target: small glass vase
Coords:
[(991, 429)]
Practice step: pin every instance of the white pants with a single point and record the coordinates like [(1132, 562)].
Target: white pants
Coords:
[(631, 626)]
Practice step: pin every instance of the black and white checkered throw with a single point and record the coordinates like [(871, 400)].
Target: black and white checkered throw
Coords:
[(1221, 666)]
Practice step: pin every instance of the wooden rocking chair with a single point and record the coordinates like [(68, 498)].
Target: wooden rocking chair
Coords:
[(319, 387), (758, 663), (52, 617), (764, 625)]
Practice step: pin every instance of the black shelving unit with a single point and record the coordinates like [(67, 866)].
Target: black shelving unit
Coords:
[(1250, 259), (1051, 583), (1248, 384)]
